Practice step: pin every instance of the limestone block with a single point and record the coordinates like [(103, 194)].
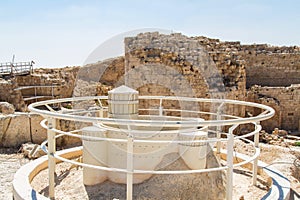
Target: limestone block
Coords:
[(32, 151), (6, 108), (4, 123), (39, 134), (17, 131)]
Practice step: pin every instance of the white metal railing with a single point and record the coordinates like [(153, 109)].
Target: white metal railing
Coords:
[(35, 96), (179, 123), (213, 126)]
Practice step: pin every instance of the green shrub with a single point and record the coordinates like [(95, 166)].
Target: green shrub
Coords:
[(297, 143)]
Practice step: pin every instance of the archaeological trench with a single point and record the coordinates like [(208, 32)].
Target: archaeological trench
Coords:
[(170, 66)]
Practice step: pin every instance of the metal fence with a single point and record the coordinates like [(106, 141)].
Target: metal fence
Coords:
[(20, 68)]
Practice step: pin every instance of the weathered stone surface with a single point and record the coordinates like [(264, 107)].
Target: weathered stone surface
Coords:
[(6, 108), (16, 130), (188, 186), (9, 94), (62, 80), (32, 151), (19, 128), (172, 63), (285, 101), (38, 133), (279, 132)]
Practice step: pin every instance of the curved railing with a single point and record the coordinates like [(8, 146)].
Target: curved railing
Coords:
[(216, 123)]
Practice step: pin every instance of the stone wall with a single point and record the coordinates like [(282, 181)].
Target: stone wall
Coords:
[(157, 64), (272, 69), (64, 78), (277, 68), (63, 81), (9, 94), (40, 80), (285, 101), (182, 64), (19, 128), (98, 78), (265, 65), (176, 65)]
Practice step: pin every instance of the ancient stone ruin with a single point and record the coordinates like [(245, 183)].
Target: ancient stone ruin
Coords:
[(169, 66), (258, 73)]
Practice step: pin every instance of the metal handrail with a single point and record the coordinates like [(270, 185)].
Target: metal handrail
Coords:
[(185, 123), (223, 122)]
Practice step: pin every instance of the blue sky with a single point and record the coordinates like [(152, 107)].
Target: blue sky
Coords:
[(57, 33)]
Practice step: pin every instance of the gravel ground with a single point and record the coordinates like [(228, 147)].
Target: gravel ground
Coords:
[(69, 186), (69, 178), (10, 162)]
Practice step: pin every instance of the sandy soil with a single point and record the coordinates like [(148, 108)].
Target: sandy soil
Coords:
[(69, 186), (69, 178), (10, 162)]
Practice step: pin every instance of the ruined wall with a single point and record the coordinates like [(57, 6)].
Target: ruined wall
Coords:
[(154, 57), (64, 78), (265, 65), (19, 128), (272, 69), (158, 64), (40, 80), (275, 67), (285, 100), (98, 78), (177, 65), (9, 94)]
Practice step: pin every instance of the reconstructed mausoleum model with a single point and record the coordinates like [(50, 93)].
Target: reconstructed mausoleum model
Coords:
[(123, 104), (161, 149)]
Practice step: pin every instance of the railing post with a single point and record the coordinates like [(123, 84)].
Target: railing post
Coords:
[(255, 162), (218, 135), (129, 183), (51, 159), (229, 185), (100, 112), (52, 91), (219, 129), (11, 68), (160, 108)]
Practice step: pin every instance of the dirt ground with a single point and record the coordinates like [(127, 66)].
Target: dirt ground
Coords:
[(10, 162), (282, 158), (69, 178), (69, 186)]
